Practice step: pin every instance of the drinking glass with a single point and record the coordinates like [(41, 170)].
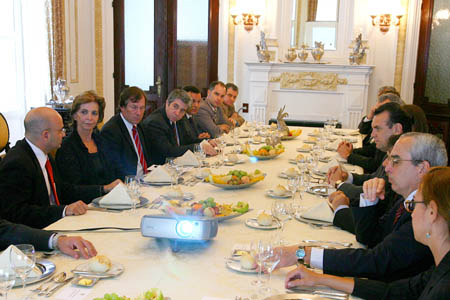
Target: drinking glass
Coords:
[(134, 190), (301, 165), (293, 183), (271, 263), (7, 280), (23, 262), (281, 211), (261, 252), (199, 153)]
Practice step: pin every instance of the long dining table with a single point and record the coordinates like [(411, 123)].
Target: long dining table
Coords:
[(197, 271)]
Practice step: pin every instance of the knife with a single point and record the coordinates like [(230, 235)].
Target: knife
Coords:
[(56, 287), (103, 209), (335, 294)]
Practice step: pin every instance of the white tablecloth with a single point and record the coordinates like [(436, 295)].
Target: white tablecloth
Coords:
[(199, 271)]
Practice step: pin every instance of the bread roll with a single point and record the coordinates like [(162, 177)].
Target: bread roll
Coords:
[(280, 190), (248, 262), (264, 219), (300, 157), (233, 157), (99, 264), (291, 172)]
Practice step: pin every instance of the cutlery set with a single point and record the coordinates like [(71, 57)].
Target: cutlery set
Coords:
[(49, 287)]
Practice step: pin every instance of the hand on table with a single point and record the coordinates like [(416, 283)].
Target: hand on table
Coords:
[(336, 173), (301, 276), (374, 188), (209, 149), (338, 198), (76, 208), (69, 245), (288, 257), (213, 143), (345, 149), (225, 128), (112, 185)]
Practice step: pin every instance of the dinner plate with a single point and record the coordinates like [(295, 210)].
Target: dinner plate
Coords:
[(239, 161), (289, 137), (235, 265), (271, 193), (186, 196), (43, 267), (285, 176), (313, 222), (320, 190), (314, 134), (256, 142), (309, 142), (301, 149), (234, 187), (142, 202), (115, 270), (253, 223)]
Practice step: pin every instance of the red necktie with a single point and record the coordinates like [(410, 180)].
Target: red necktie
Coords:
[(49, 169), (399, 212), (137, 142)]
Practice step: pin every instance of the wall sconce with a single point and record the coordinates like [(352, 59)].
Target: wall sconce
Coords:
[(384, 21), (248, 19)]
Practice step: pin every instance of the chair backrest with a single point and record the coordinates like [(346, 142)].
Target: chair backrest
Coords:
[(4, 134)]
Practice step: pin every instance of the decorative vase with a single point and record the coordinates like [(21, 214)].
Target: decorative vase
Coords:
[(303, 54), (291, 55), (263, 55), (317, 51)]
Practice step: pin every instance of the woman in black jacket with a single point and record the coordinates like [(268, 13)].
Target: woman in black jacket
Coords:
[(81, 158), (431, 224)]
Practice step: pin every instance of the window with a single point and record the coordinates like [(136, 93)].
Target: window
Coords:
[(24, 57)]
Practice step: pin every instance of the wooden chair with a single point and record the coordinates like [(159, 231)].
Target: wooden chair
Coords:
[(4, 135)]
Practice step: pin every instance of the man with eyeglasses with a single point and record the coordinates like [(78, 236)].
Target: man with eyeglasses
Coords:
[(393, 252), (164, 126), (32, 191)]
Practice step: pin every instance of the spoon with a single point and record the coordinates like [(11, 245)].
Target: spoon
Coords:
[(57, 280)]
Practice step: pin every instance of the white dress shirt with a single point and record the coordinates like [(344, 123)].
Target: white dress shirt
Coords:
[(139, 170)]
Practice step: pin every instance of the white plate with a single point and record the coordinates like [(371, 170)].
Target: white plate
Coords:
[(253, 223), (115, 270), (270, 193), (44, 268), (301, 149), (255, 142), (235, 264), (320, 190), (142, 202), (309, 142), (264, 157), (285, 176), (186, 196), (239, 161)]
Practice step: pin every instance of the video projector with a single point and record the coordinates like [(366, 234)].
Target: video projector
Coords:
[(188, 228)]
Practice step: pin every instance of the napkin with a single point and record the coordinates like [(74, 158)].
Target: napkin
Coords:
[(320, 212), (5, 260), (159, 174), (118, 196), (334, 145), (325, 167), (187, 159)]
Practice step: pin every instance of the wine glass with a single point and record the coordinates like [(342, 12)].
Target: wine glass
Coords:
[(199, 153), (134, 190), (281, 211), (273, 259), (260, 250), (7, 280), (293, 182), (23, 262)]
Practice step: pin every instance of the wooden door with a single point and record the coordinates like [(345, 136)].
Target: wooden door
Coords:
[(431, 86)]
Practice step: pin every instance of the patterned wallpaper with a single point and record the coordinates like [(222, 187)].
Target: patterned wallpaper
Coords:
[(438, 73)]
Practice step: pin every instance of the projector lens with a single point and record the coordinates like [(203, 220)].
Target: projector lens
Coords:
[(184, 228)]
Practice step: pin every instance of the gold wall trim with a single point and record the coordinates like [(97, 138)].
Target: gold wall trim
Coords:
[(400, 55), (320, 81), (98, 19), (75, 42), (231, 38)]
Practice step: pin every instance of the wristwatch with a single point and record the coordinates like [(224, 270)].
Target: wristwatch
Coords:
[(337, 183), (300, 254)]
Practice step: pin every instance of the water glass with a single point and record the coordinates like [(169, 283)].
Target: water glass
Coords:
[(199, 153), (23, 262), (7, 280), (261, 251), (271, 263), (293, 183), (134, 190)]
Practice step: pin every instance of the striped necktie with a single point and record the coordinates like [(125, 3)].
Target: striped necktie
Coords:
[(49, 169), (399, 212), (138, 144)]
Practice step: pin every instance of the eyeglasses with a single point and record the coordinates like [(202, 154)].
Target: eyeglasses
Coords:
[(411, 204), (396, 160)]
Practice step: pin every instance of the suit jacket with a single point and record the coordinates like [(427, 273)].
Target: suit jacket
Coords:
[(189, 131), (432, 284), (396, 255), (369, 162), (20, 234), (120, 148), (75, 165), (229, 111), (365, 128), (24, 193), (208, 120), (165, 145)]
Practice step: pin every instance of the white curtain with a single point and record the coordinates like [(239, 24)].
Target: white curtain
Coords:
[(25, 74)]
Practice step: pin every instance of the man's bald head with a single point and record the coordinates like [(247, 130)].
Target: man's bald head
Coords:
[(43, 127)]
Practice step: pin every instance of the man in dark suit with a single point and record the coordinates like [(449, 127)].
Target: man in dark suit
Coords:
[(31, 189), (125, 140), (44, 240), (389, 120), (163, 124), (210, 117), (393, 252), (191, 133)]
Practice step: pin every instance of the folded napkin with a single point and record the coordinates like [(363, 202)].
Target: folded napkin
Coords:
[(187, 159), (118, 196), (5, 260), (324, 167), (159, 174), (334, 145), (320, 212)]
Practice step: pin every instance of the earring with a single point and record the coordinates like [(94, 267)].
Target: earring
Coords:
[(427, 235)]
